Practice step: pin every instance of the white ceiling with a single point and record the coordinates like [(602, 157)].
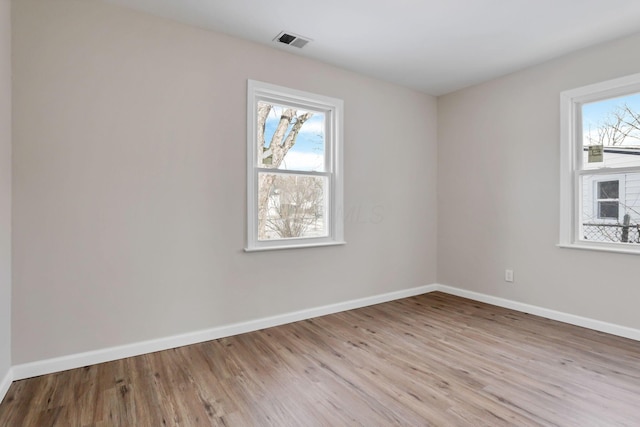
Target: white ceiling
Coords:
[(435, 46)]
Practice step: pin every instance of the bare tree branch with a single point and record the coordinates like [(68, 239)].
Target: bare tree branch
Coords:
[(263, 111), (620, 125), (293, 209)]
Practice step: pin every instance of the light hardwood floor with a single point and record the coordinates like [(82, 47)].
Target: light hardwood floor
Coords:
[(434, 359)]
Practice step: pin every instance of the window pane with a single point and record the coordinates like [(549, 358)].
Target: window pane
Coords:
[(294, 176), (293, 139), (291, 206), (608, 190), (608, 210), (611, 128)]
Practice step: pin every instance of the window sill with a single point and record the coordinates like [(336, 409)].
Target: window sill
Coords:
[(280, 247), (599, 248)]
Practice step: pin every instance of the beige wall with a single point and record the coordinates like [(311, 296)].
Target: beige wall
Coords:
[(129, 182), (498, 192), (5, 188)]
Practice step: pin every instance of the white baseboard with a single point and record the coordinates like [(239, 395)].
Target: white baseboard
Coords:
[(48, 366), (585, 322), (6, 383), (79, 360)]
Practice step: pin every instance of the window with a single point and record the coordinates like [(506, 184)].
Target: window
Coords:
[(608, 199), (294, 168), (600, 166)]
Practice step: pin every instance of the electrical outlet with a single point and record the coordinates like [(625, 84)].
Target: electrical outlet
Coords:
[(508, 275)]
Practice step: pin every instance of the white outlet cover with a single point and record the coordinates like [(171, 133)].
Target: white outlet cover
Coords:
[(508, 275)]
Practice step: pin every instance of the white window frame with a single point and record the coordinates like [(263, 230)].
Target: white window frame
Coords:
[(571, 160), (333, 110)]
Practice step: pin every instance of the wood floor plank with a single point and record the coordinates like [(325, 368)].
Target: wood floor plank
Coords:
[(430, 360)]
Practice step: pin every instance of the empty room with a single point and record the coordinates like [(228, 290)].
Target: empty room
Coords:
[(294, 213)]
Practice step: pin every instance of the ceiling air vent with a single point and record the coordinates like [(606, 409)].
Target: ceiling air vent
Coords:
[(292, 39)]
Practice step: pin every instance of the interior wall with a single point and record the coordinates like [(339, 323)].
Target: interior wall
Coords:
[(498, 192), (129, 182), (5, 187)]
